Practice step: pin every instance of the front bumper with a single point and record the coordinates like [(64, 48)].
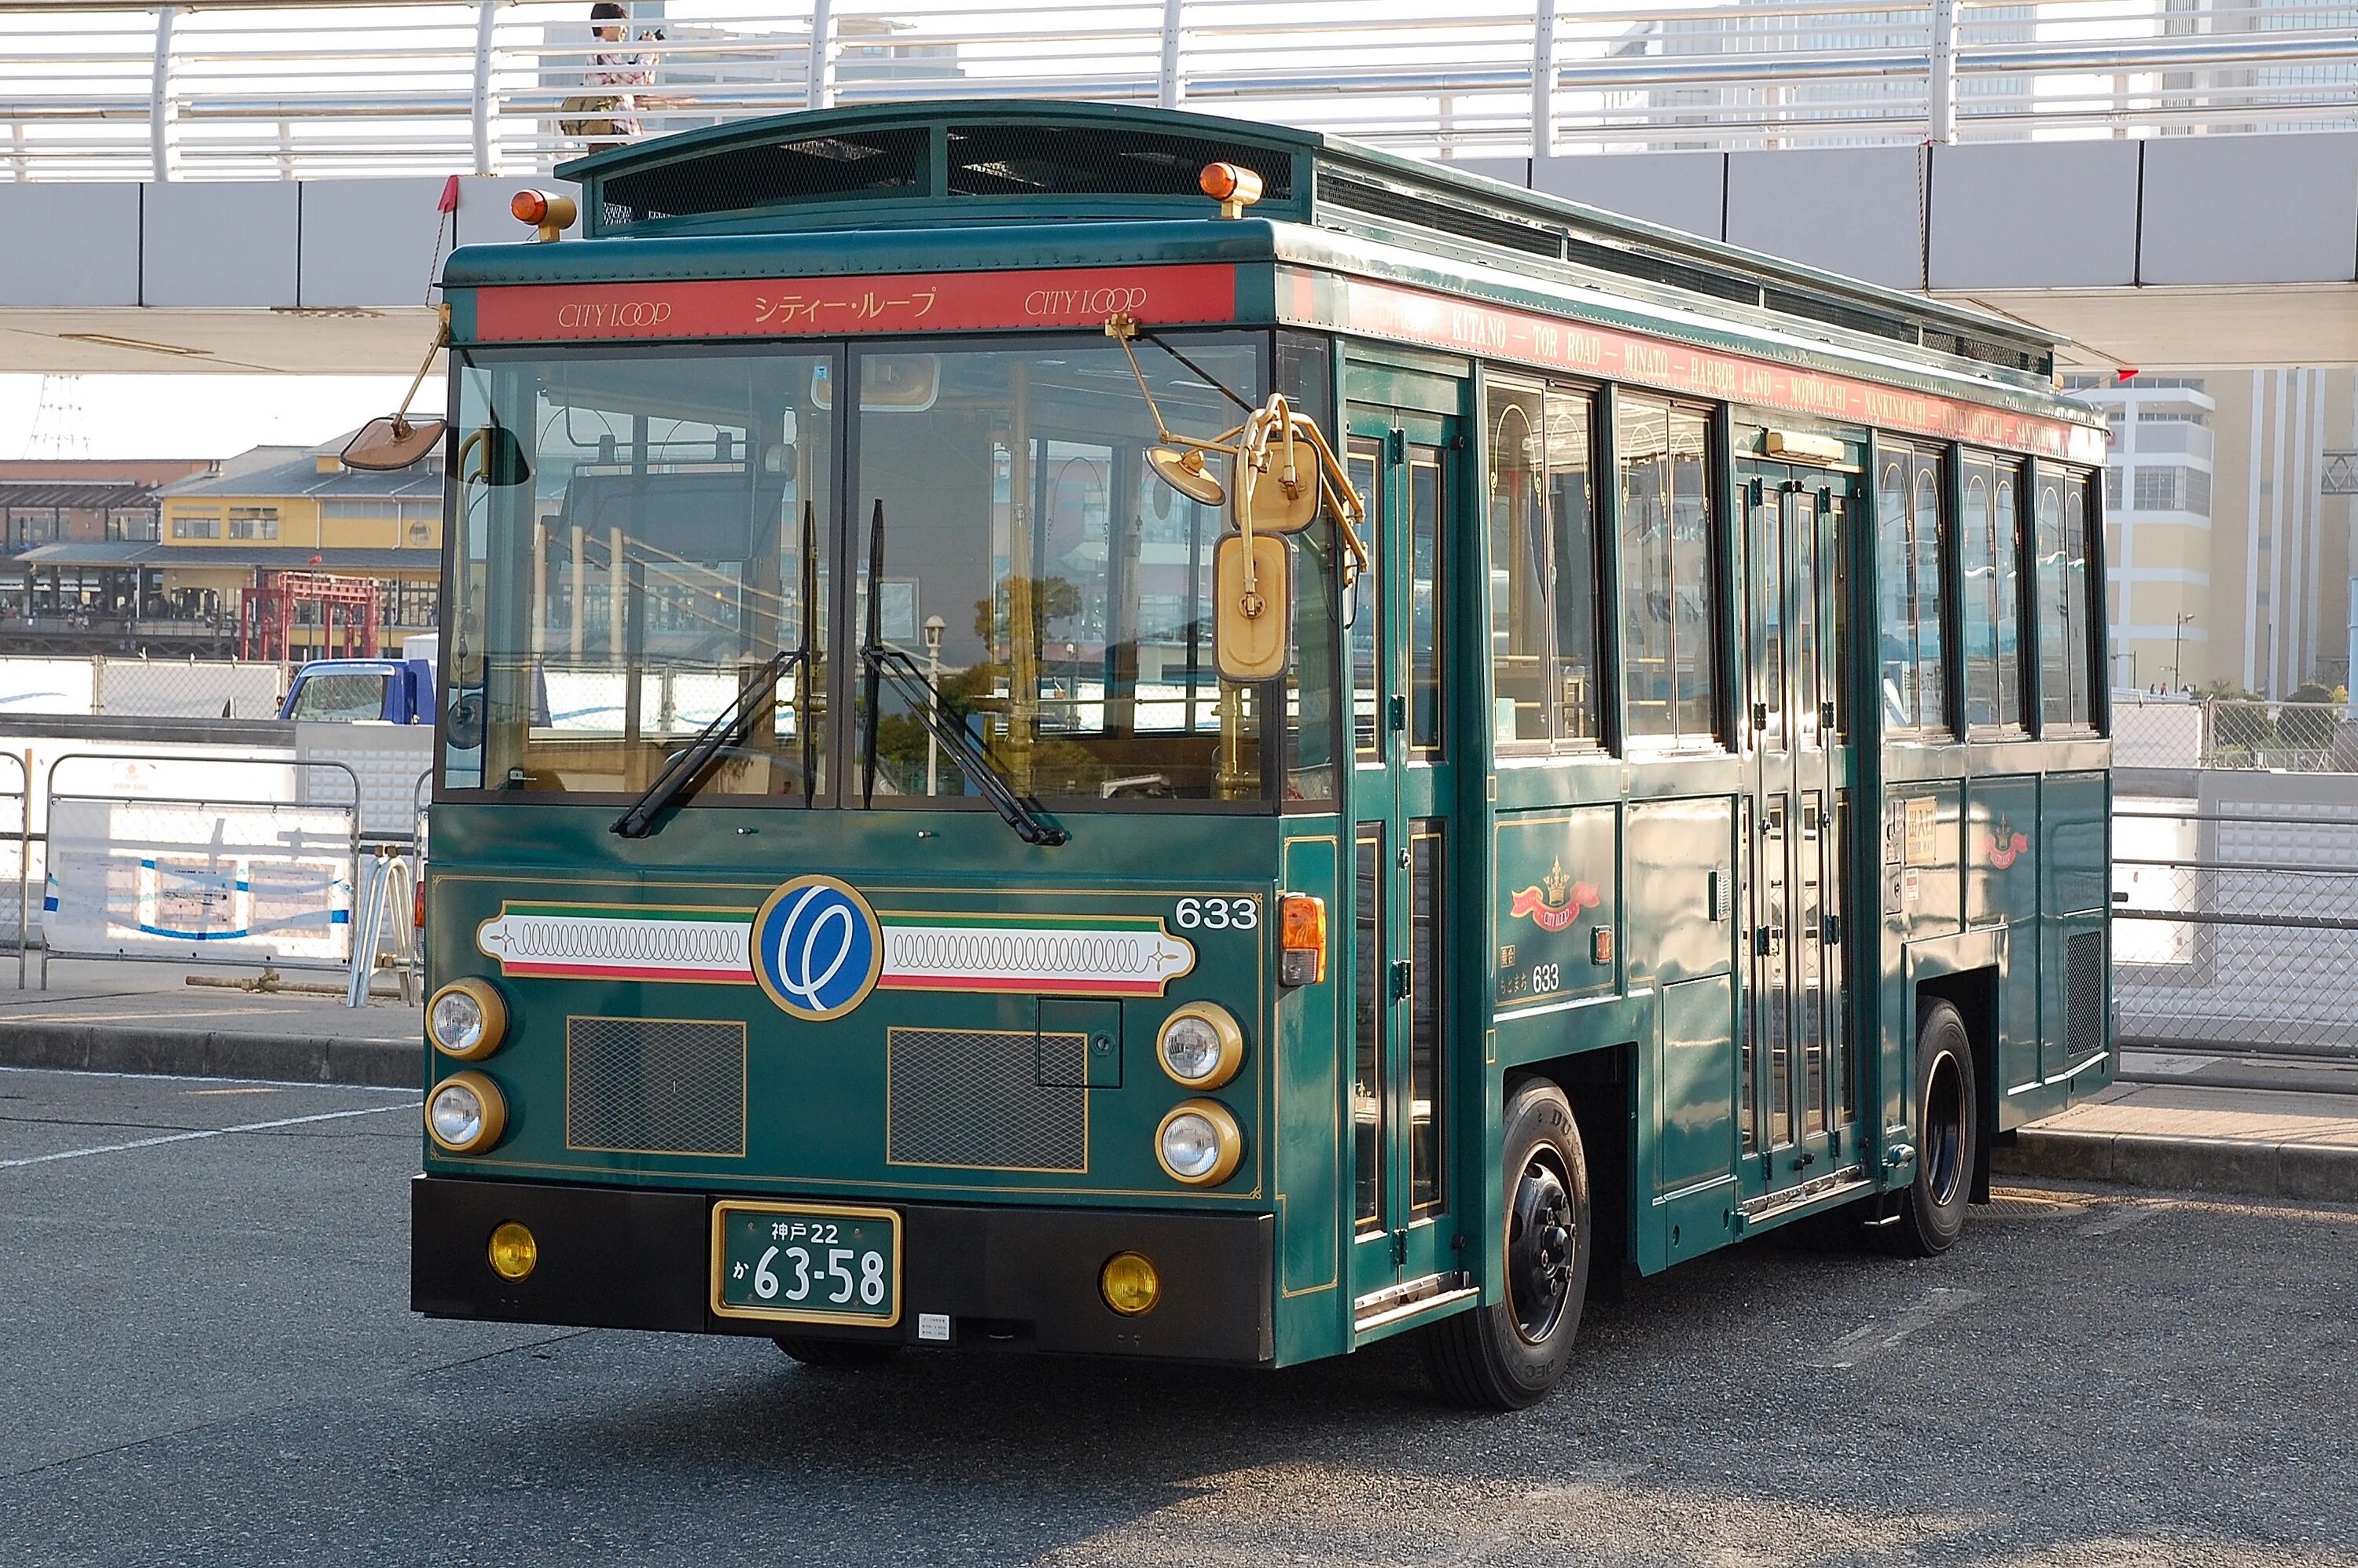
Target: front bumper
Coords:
[(624, 1258)]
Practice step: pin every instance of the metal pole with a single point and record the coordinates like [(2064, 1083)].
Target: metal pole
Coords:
[(1543, 80), (1174, 91), (820, 91), (1942, 90), (486, 16), (163, 111)]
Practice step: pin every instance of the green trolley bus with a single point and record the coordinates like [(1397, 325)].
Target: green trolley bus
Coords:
[(1116, 731)]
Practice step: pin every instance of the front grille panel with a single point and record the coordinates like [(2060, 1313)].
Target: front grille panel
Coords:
[(652, 1085), (977, 1099), (2083, 994)]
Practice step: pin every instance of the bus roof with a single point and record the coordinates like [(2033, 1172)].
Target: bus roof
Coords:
[(965, 161)]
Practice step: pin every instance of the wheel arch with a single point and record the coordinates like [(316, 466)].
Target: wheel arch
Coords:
[(1974, 993), (1602, 1090)]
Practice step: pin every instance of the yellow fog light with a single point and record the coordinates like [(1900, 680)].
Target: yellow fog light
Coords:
[(466, 1019), (1129, 1285), (514, 1252), (1200, 1045), (465, 1114), (1199, 1143)]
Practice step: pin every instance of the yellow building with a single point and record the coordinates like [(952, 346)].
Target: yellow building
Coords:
[(279, 509)]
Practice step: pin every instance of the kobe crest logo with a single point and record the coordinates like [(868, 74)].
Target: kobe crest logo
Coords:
[(816, 947)]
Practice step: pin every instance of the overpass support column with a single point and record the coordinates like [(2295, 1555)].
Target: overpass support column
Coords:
[(163, 99), (1942, 90)]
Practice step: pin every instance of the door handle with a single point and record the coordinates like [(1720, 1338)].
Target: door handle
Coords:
[(1403, 979), (1396, 712)]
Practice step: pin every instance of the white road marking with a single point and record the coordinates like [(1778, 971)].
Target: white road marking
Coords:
[(2169, 1066), (258, 1089), (208, 1132), (1876, 1335)]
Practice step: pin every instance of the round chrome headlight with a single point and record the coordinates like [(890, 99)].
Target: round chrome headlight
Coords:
[(466, 1020), (1200, 1045), (465, 1114), (1199, 1143)]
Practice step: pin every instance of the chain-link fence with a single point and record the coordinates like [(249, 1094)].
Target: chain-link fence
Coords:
[(2235, 925), (2227, 733), (145, 688)]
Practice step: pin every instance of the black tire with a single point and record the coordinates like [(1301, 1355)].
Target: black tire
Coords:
[(1948, 1135), (835, 1355), (1507, 1356)]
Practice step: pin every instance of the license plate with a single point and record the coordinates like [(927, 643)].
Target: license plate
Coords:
[(806, 1263)]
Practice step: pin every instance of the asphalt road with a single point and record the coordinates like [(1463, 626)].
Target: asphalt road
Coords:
[(205, 1357)]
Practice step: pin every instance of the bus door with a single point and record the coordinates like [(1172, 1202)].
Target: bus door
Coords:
[(1798, 1085), (1404, 465)]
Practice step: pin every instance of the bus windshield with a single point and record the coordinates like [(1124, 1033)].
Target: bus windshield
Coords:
[(640, 531)]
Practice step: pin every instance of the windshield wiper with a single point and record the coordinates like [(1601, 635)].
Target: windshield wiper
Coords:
[(730, 727), (884, 662)]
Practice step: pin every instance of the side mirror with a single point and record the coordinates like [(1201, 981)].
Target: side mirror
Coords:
[(1252, 607), (493, 455), (392, 442)]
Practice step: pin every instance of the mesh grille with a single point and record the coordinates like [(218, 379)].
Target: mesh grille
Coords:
[(655, 1086), (1382, 201), (1838, 314), (1662, 269), (817, 169), (975, 1098), (2083, 994), (1090, 160)]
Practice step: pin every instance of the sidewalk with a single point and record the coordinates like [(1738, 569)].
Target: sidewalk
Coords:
[(142, 1018), (2255, 1142)]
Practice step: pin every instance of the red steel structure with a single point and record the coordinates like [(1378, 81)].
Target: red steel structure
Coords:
[(347, 626)]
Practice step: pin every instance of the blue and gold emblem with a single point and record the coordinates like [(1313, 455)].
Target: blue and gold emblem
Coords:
[(816, 948)]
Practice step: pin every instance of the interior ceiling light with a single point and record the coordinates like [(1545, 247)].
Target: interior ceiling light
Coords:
[(108, 340)]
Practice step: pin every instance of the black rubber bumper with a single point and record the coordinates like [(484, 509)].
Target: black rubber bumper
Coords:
[(617, 1258)]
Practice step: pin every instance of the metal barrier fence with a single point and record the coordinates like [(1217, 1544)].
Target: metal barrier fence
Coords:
[(262, 89), (21, 799), (2235, 931), (137, 873)]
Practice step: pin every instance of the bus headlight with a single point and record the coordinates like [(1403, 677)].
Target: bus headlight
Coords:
[(467, 1019), (514, 1252), (1200, 1045), (1199, 1143), (465, 1114)]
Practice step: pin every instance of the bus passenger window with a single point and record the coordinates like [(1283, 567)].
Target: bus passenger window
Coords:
[(2076, 586), (2007, 569), (2064, 699), (1572, 516), (1915, 695), (1977, 555), (1518, 568), (1667, 596)]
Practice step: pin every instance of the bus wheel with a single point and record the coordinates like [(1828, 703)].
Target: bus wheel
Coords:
[(837, 1355), (1508, 1356), (1948, 1128)]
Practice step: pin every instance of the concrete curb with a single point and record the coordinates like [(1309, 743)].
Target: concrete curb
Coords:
[(210, 1054), (2245, 1169)]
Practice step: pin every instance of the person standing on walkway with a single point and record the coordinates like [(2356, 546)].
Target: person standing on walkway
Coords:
[(606, 114)]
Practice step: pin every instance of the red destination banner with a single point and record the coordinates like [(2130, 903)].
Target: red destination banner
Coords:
[(894, 302), (1469, 327)]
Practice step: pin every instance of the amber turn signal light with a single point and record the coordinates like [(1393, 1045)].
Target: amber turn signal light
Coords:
[(552, 215), (1302, 940), (1233, 187)]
